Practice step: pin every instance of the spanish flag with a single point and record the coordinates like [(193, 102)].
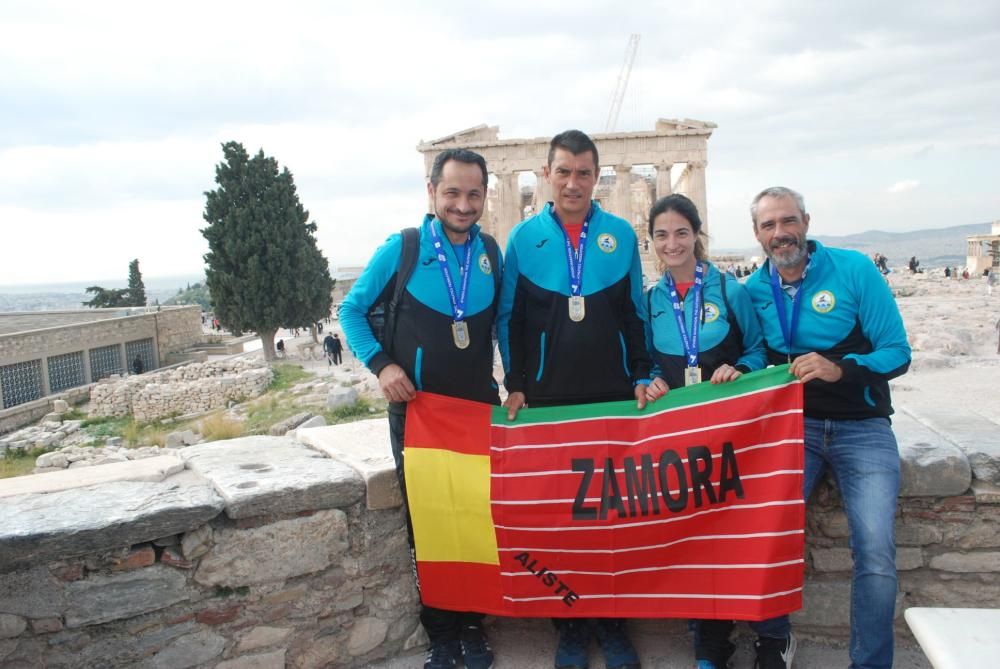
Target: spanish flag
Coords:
[(690, 508)]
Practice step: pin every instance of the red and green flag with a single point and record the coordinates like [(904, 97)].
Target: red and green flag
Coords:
[(691, 508)]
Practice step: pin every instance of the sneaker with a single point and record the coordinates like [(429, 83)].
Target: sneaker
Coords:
[(443, 655), (476, 651), (774, 653), (574, 644), (619, 653)]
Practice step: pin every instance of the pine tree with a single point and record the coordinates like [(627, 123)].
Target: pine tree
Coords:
[(136, 289), (264, 270)]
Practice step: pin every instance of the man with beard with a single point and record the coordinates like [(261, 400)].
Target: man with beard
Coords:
[(831, 315), (570, 332), (442, 343)]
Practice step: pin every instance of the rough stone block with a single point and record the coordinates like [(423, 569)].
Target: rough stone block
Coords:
[(363, 445), (977, 436), (11, 625), (913, 532), (60, 406), (366, 635), (275, 552), (832, 559), (986, 493), (262, 637), (70, 523), (148, 469), (46, 625), (930, 465), (280, 428), (983, 562), (197, 542), (273, 475), (315, 421), (189, 651), (908, 559), (100, 599), (273, 660), (341, 397)]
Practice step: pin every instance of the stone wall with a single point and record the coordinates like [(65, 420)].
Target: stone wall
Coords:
[(279, 551), (177, 329), (193, 388)]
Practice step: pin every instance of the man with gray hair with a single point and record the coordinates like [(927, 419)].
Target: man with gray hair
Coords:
[(830, 314)]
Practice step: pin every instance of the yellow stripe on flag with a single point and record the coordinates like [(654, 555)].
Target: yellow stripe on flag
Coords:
[(449, 498)]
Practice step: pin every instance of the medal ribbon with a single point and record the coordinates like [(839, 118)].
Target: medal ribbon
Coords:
[(574, 259), (457, 300), (787, 330), (690, 341)]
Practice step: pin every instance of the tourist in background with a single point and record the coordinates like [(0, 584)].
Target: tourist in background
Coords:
[(700, 326), (439, 345), (570, 332), (828, 312)]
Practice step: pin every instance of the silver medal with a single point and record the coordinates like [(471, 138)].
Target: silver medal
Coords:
[(460, 333), (692, 376), (576, 308)]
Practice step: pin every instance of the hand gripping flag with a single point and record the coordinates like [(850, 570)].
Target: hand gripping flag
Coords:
[(691, 508)]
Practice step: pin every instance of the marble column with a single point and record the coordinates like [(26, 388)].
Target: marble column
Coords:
[(623, 196), (664, 185), (696, 189), (543, 191), (510, 205)]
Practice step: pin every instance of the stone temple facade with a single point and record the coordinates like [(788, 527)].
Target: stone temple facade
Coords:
[(646, 165)]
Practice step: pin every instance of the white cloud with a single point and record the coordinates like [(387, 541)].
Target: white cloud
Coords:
[(903, 186)]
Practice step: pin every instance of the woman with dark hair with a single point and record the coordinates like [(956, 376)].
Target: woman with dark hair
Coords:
[(700, 326)]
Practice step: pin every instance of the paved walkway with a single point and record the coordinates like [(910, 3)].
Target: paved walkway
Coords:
[(530, 644)]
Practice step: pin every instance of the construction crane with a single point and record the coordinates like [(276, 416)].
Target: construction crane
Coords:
[(619, 95)]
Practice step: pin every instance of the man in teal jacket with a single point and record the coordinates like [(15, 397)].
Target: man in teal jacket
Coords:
[(831, 315)]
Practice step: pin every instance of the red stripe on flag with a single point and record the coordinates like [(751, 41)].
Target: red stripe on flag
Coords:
[(462, 586), (438, 421)]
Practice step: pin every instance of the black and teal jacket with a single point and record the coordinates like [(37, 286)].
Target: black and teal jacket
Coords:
[(550, 358), (849, 316), (423, 345), (729, 334)]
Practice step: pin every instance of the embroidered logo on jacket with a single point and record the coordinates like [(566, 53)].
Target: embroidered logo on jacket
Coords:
[(606, 242), (711, 312), (484, 264), (824, 301)]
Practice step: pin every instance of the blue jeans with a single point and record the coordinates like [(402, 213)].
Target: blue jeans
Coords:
[(864, 460)]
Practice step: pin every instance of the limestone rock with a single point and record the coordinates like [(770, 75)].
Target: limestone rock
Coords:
[(366, 635), (271, 475), (100, 598), (967, 562), (189, 651), (197, 542), (274, 552), (11, 625), (977, 436), (68, 523), (32, 592), (290, 423), (341, 397), (262, 637), (60, 406), (315, 421), (273, 660), (930, 465)]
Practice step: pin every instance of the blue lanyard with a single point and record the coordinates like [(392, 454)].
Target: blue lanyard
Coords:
[(779, 303), (574, 259), (457, 301), (690, 341)]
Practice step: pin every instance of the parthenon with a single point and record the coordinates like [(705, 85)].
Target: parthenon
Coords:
[(670, 158)]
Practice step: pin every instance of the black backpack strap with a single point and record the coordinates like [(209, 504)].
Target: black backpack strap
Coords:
[(407, 261), (493, 253), (730, 316)]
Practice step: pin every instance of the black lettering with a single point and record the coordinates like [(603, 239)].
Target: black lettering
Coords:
[(701, 476), (641, 490), (562, 587), (611, 494), (671, 459), (522, 558), (531, 567), (586, 467), (541, 572), (549, 579), (729, 476), (570, 598)]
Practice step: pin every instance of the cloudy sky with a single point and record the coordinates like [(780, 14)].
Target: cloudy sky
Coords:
[(886, 115)]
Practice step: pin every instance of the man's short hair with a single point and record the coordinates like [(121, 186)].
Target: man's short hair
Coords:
[(462, 156), (777, 191), (574, 141)]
